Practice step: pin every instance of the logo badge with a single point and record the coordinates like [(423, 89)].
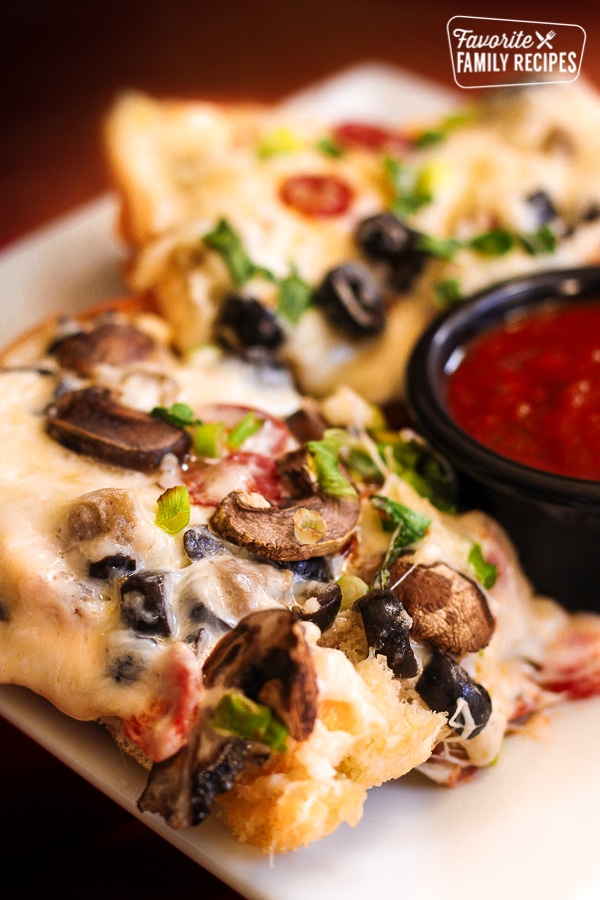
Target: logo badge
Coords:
[(506, 52)]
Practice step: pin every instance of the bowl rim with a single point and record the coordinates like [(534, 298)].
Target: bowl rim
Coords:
[(427, 372)]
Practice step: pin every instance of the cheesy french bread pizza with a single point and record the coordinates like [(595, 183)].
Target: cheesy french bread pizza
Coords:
[(332, 244), (270, 602)]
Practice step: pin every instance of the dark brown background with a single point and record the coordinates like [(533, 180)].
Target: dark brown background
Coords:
[(61, 64)]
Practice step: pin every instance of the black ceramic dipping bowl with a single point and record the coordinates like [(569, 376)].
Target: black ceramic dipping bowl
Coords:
[(553, 520)]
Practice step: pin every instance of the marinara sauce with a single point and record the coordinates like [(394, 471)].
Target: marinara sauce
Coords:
[(530, 390)]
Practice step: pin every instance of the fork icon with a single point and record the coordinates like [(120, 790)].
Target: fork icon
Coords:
[(545, 41)]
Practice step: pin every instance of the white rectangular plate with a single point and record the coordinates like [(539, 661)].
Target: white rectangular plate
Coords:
[(525, 828)]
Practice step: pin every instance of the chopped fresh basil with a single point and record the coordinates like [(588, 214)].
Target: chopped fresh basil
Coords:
[(431, 136), (173, 512), (294, 297), (408, 193), (443, 248), (448, 292), (179, 414), (415, 463), (495, 242), (326, 458), (237, 714), (486, 573), (226, 241), (408, 526), (543, 240)]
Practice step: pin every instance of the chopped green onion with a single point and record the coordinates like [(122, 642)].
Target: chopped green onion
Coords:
[(352, 588), (237, 714), (326, 459), (210, 439), (486, 573), (173, 511), (245, 428), (179, 414)]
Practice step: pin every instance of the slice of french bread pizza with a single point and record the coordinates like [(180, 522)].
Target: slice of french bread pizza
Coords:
[(270, 602), (332, 243)]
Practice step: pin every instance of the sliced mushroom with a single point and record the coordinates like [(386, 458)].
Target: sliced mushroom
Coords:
[(107, 511), (307, 423), (298, 478), (111, 343), (267, 658), (449, 611), (270, 531), (92, 422)]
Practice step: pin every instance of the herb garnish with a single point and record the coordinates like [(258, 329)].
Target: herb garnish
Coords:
[(486, 573), (228, 244)]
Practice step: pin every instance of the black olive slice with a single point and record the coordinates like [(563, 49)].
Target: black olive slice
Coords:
[(387, 628), (244, 322), (443, 683), (327, 596), (143, 603), (91, 422), (199, 543), (111, 566), (383, 237), (542, 206), (350, 298)]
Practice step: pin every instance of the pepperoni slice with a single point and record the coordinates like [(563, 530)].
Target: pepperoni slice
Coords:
[(272, 439), (364, 136), (317, 195), (208, 481)]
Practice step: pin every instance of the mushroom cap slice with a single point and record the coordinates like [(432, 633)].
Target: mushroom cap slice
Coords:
[(270, 531), (109, 343), (265, 656), (449, 611), (90, 421)]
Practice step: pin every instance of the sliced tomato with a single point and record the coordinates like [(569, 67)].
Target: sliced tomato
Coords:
[(208, 481), (317, 195), (364, 136)]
